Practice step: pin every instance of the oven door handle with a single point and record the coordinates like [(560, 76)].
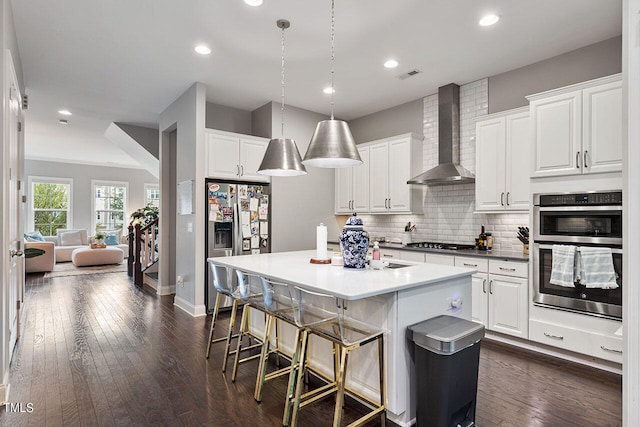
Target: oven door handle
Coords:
[(576, 208), (545, 246)]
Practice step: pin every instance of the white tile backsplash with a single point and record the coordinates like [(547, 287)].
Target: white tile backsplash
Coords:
[(448, 209)]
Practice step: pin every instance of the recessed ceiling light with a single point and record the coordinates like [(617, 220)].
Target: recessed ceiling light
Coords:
[(489, 20), (328, 90), (253, 2), (391, 63), (202, 49), (63, 122), (64, 112)]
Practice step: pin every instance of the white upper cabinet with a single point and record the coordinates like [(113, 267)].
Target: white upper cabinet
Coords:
[(234, 156), (502, 163), (577, 129), (352, 186), (379, 185)]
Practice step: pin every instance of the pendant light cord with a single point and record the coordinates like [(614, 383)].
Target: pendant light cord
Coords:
[(282, 92), (333, 53)]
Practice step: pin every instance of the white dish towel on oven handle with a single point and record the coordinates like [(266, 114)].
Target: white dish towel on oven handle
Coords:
[(563, 266), (595, 268)]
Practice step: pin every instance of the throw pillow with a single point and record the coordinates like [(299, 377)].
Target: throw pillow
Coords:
[(117, 232), (35, 236), (111, 239), (70, 238)]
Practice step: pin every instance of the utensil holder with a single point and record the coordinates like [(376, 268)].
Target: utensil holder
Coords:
[(406, 237), (525, 249)]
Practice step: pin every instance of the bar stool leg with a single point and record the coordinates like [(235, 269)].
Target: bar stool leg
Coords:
[(216, 307), (383, 381), (232, 324), (264, 357), (337, 416), (299, 377), (241, 333)]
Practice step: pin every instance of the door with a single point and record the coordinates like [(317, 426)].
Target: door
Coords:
[(379, 177), (16, 156), (557, 135), (360, 195), (223, 156), (490, 164), (344, 190), (479, 298), (508, 305), (399, 174), (517, 166), (602, 128), (251, 155)]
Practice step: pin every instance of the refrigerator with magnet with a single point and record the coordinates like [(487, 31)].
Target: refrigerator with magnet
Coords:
[(238, 222)]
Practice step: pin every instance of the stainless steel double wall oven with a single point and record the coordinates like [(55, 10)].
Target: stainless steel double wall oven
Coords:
[(581, 219)]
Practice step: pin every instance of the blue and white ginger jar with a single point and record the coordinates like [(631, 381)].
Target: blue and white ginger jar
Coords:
[(354, 242)]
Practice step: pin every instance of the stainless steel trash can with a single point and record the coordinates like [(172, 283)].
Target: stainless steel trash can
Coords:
[(446, 354)]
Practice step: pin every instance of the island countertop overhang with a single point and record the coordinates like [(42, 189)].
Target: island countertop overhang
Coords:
[(294, 268)]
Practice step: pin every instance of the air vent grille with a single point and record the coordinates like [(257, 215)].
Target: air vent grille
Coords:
[(408, 74)]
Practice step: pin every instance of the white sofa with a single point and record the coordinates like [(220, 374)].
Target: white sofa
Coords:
[(40, 263), (68, 240)]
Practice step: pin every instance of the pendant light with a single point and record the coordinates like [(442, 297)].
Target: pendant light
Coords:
[(282, 157), (332, 145)]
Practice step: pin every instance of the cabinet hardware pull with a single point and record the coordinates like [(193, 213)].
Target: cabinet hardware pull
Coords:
[(490, 287), (586, 153), (484, 289), (611, 350), (470, 265), (508, 198), (501, 199), (578, 160), (389, 203), (241, 170), (387, 256), (557, 337), (507, 269), (238, 170)]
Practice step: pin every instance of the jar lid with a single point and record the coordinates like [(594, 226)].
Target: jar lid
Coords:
[(354, 220)]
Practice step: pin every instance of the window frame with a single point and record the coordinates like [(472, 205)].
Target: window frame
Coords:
[(107, 183), (34, 179), (148, 186)]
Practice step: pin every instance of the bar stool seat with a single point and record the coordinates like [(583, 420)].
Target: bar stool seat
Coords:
[(323, 315)]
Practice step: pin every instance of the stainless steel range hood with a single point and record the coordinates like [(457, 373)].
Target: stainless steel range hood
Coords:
[(449, 170)]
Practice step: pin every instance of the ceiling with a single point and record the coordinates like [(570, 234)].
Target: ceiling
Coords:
[(126, 61)]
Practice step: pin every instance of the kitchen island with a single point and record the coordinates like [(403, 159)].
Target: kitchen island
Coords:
[(391, 299)]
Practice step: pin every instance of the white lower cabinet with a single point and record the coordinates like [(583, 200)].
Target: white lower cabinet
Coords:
[(499, 294), (412, 256), (439, 259)]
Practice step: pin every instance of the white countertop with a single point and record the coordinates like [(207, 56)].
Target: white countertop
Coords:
[(295, 268)]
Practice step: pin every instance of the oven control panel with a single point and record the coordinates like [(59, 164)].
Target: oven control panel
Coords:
[(581, 199)]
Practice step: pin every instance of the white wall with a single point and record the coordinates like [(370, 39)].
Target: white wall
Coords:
[(187, 116), (82, 191)]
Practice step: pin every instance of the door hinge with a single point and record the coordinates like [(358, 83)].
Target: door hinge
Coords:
[(18, 305), (24, 199), (19, 126), (19, 185)]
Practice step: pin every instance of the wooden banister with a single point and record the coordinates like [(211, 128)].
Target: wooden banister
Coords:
[(143, 250)]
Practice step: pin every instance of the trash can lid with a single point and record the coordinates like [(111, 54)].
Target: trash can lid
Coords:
[(446, 334)]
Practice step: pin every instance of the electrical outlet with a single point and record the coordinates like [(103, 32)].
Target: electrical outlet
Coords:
[(454, 303), (180, 281)]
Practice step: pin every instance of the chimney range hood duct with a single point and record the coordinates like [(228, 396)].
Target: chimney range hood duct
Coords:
[(449, 170)]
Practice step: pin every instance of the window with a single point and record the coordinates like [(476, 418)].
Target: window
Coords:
[(50, 204), (152, 195), (109, 204)]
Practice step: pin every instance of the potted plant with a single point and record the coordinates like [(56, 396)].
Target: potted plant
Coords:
[(98, 238), (144, 216)]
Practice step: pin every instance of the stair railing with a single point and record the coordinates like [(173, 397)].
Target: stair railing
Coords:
[(143, 250)]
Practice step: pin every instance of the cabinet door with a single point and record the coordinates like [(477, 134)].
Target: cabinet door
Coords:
[(490, 164), (508, 305), (399, 174), (517, 162), (223, 159), (479, 298), (379, 177), (360, 194), (439, 259), (251, 154), (344, 190), (602, 128), (556, 135)]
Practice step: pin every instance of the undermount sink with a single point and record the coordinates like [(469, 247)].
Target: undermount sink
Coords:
[(396, 265)]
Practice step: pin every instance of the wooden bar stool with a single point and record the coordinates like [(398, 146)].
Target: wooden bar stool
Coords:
[(323, 315)]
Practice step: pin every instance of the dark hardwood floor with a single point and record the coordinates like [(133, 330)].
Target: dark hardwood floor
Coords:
[(95, 350)]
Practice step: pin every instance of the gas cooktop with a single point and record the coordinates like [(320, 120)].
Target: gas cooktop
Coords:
[(438, 245)]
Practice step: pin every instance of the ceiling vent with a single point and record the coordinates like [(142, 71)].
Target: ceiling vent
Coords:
[(408, 74)]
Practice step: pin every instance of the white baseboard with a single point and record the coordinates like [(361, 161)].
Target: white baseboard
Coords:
[(166, 290), (187, 307)]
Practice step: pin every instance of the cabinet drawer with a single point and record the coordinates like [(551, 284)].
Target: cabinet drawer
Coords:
[(597, 345), (412, 256), (333, 247), (480, 264), (509, 268), (439, 259), (389, 254)]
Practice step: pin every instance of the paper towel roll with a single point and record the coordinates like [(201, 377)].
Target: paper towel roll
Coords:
[(321, 242)]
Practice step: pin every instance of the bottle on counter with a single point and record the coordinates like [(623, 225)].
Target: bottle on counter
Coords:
[(376, 251), (489, 241), (482, 239)]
